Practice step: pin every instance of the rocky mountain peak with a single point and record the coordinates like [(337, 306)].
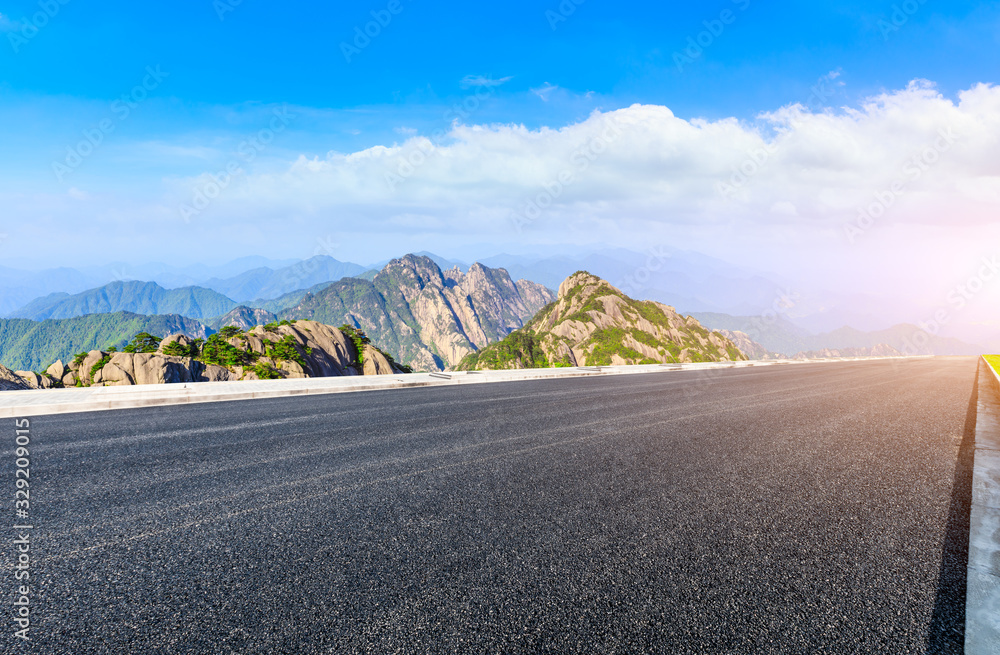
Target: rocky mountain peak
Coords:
[(432, 318), (593, 323)]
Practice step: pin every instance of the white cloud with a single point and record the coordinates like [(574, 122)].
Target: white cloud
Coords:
[(482, 81), (816, 170), (545, 91)]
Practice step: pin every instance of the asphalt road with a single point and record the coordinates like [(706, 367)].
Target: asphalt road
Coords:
[(811, 508)]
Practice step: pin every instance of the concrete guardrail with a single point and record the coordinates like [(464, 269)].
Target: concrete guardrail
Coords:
[(982, 607)]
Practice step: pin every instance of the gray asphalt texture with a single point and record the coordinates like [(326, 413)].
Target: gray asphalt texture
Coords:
[(796, 509)]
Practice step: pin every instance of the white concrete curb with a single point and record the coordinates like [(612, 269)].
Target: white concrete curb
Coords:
[(982, 603), (16, 404)]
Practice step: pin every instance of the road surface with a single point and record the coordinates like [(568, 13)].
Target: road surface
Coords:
[(808, 508)]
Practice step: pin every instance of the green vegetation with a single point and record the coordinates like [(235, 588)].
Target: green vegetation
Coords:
[(610, 342), (175, 349), (286, 349), (271, 327), (357, 337), (99, 365), (265, 372), (994, 361), (144, 342), (29, 345), (520, 349), (218, 351)]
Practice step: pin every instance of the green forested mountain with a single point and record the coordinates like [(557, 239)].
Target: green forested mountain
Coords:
[(594, 324), (27, 345), (135, 297)]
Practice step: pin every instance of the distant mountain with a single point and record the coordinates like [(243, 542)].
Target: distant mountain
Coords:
[(19, 287), (243, 317), (748, 346), (266, 283), (289, 299), (135, 297), (772, 331), (687, 280), (431, 318), (881, 350), (30, 345), (777, 334), (594, 324)]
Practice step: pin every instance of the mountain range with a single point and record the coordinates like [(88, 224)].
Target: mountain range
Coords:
[(133, 297), (778, 335), (430, 318), (445, 310)]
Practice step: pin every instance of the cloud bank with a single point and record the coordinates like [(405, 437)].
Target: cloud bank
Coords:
[(910, 157)]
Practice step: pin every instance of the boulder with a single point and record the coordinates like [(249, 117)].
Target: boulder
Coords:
[(57, 370), (119, 371), (375, 363), (92, 358), (292, 370), (33, 379), (332, 352), (213, 373), (10, 381), (151, 368)]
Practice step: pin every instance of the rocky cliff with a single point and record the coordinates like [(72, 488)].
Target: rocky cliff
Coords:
[(748, 346), (594, 324), (10, 381), (244, 318), (276, 351), (431, 318)]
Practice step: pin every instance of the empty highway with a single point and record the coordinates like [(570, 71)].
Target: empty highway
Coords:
[(807, 508)]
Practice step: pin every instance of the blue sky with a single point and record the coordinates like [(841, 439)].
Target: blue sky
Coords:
[(603, 55), (536, 89)]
